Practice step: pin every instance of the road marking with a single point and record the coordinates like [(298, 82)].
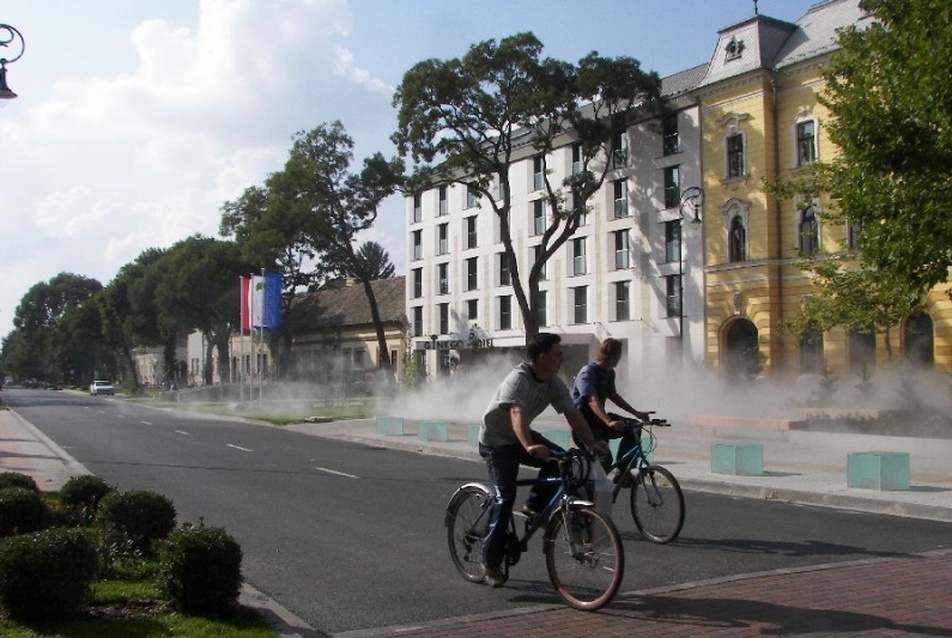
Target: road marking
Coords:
[(183, 432), (335, 472), (238, 447), (146, 422)]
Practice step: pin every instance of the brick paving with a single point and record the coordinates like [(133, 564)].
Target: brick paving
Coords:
[(879, 597)]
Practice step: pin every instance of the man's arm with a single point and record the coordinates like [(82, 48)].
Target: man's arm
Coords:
[(580, 426), (624, 405), (520, 426)]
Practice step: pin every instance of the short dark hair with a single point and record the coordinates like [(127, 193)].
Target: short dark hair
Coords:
[(541, 344), (609, 348)]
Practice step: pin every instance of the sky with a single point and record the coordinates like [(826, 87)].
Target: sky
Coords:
[(137, 119)]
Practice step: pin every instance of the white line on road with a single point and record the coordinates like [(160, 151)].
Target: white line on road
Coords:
[(146, 422), (335, 472), (238, 447), (183, 432)]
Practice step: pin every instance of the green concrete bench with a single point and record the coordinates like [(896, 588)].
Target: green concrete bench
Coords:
[(389, 425), (878, 470), (433, 431), (559, 437), (473, 435), (737, 459)]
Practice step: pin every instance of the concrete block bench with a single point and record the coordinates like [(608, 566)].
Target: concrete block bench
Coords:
[(562, 438), (473, 435), (878, 470), (738, 459), (433, 431), (389, 425)]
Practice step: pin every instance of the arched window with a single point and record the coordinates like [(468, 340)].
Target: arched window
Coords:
[(808, 234), (737, 240)]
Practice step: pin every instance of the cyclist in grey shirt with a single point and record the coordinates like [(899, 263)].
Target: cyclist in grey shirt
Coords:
[(506, 440)]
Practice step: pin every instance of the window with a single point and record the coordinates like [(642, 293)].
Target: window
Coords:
[(622, 308), (862, 352), (806, 143), (619, 150), (578, 256), (538, 172), (809, 233), (670, 140), (443, 243), (621, 250), (578, 161), (673, 295), (542, 317), (444, 206), (442, 278), (852, 235), (505, 312), (620, 188), (444, 310), (811, 352), (538, 217), (737, 240), (417, 241), (536, 255), (672, 187), (472, 197), (471, 270), (417, 208), (471, 238), (418, 321), (472, 309), (672, 241), (735, 155), (499, 191), (417, 283), (505, 277), (580, 304)]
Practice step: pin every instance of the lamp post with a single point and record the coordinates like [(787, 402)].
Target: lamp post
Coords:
[(9, 37), (693, 198)]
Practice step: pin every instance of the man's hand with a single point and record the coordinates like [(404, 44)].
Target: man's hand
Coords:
[(537, 451)]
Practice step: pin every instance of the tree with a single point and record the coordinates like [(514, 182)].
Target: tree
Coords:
[(342, 204), (461, 121)]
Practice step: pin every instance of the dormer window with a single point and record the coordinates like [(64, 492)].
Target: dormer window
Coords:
[(734, 49)]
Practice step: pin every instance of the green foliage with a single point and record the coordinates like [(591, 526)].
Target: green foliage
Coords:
[(46, 574), (200, 570), (80, 496), (23, 511), (17, 479), (142, 516)]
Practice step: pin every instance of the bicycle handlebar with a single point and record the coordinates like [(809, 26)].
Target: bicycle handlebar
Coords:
[(636, 422)]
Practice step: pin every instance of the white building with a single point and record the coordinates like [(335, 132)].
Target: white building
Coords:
[(618, 276)]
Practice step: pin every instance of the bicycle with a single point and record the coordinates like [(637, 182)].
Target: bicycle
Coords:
[(583, 551), (657, 502)]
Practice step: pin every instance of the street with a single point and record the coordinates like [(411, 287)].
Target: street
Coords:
[(350, 537)]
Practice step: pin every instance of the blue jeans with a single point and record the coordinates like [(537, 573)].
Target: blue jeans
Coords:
[(503, 463)]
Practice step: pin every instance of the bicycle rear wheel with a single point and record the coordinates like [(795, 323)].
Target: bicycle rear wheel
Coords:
[(585, 558), (657, 504), (467, 516)]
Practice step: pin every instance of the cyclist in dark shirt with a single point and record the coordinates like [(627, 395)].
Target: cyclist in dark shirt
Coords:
[(594, 385)]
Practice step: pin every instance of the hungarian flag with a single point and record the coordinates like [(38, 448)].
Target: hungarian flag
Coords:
[(261, 301)]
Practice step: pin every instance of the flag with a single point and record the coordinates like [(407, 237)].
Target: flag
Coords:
[(261, 301)]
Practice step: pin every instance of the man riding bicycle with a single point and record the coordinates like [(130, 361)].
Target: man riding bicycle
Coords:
[(594, 385), (506, 441)]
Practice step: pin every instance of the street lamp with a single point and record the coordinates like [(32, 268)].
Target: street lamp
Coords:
[(693, 198), (9, 37)]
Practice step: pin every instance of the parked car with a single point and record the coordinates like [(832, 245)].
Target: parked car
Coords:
[(101, 386)]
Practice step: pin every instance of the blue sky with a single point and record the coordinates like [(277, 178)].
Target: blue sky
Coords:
[(137, 119)]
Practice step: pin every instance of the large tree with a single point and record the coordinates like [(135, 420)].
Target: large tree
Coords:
[(461, 120)]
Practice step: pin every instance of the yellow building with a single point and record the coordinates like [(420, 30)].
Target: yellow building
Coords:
[(761, 120)]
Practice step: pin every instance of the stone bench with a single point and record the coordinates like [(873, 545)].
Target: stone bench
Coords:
[(737, 459), (433, 431), (389, 426), (878, 470)]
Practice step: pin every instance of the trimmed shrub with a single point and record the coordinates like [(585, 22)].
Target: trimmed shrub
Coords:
[(81, 495), (142, 516), (23, 511), (46, 574), (200, 571), (16, 479)]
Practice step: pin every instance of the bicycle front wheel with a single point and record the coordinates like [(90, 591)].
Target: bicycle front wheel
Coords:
[(657, 504), (467, 517), (584, 556)]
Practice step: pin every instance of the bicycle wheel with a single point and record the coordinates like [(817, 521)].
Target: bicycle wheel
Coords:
[(585, 558), (657, 504), (467, 516)]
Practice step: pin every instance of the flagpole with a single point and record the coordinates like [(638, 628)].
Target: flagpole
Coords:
[(264, 287), (241, 339)]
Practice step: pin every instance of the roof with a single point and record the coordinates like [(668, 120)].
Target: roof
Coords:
[(347, 305)]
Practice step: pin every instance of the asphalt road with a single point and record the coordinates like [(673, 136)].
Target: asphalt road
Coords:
[(350, 537)]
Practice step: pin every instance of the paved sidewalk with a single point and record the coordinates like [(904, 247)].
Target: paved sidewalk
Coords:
[(907, 596)]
